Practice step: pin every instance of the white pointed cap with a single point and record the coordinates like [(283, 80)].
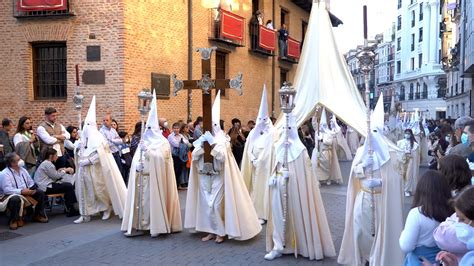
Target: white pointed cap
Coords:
[(216, 114), (392, 104), (152, 121), (323, 122), (377, 118), (336, 125), (91, 118), (263, 111), (416, 116)]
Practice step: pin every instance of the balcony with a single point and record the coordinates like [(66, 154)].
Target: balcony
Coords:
[(390, 57), (417, 96), (424, 95), (441, 93), (41, 8), (401, 97), (292, 51), (226, 27), (410, 96), (262, 40)]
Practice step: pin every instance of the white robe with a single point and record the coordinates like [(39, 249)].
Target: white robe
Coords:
[(220, 204), (256, 167), (100, 184), (411, 167), (357, 243), (307, 230), (160, 208), (325, 162), (342, 148)]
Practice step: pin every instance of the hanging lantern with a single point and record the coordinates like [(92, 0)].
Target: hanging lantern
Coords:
[(144, 101), (287, 96)]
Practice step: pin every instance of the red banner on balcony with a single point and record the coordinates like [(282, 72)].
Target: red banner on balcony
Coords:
[(232, 25), (267, 38), (41, 5), (293, 48)]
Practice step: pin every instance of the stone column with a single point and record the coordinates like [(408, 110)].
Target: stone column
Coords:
[(426, 32), (433, 31)]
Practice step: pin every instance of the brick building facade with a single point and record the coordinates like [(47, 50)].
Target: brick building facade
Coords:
[(136, 39)]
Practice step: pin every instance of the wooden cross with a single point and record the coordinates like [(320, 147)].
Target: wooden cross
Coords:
[(206, 84)]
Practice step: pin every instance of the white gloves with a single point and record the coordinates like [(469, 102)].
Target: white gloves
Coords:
[(209, 138), (84, 162), (373, 183), (140, 167), (143, 147), (368, 162)]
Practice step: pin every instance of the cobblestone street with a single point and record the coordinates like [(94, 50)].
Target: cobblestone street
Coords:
[(60, 242)]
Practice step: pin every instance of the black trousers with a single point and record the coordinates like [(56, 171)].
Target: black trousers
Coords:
[(118, 161), (14, 205), (178, 169), (69, 194)]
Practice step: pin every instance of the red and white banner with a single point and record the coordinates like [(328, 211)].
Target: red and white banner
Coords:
[(293, 48), (267, 38), (232, 25), (41, 5)]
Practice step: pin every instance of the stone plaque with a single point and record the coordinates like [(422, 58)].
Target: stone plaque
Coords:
[(93, 53), (161, 83), (93, 77)]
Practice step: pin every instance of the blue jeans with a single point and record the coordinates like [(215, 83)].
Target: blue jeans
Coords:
[(283, 48), (429, 253)]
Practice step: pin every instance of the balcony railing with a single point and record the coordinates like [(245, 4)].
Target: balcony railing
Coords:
[(293, 49), (226, 27), (41, 8), (410, 96), (401, 97), (417, 95), (441, 93), (424, 95), (262, 39), (390, 57)]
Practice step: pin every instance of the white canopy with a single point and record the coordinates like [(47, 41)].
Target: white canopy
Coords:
[(323, 78)]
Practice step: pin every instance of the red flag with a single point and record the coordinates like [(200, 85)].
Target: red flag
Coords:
[(232, 25), (267, 38), (293, 48), (41, 5)]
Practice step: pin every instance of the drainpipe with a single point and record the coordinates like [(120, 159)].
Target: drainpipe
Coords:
[(273, 64), (190, 56)]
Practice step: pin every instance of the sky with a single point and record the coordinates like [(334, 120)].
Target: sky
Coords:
[(380, 15)]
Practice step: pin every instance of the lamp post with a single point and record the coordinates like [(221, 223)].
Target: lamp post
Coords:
[(144, 101), (287, 95), (78, 99), (366, 57)]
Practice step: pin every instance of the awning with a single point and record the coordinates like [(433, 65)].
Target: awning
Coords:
[(41, 5), (267, 38), (232, 25)]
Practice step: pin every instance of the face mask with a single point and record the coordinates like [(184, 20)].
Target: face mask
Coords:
[(464, 232), (464, 139), (21, 163), (165, 124), (407, 136)]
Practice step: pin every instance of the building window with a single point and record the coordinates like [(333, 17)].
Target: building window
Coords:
[(399, 23), (411, 2), (410, 95), (399, 43), (255, 6), (420, 34), (413, 18), (304, 26), (49, 70), (412, 42), (399, 66), (402, 93), (462, 86), (221, 60), (399, 4), (421, 12), (284, 18), (412, 63), (463, 109), (420, 60), (456, 88), (425, 91)]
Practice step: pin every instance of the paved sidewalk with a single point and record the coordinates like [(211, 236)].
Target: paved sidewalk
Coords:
[(61, 242)]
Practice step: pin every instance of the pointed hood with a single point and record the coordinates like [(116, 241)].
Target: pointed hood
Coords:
[(91, 138), (323, 124), (415, 123), (216, 116), (152, 134), (392, 105), (380, 147), (295, 148), (263, 124), (334, 125)]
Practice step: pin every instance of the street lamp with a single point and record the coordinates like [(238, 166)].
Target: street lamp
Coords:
[(144, 101), (287, 96), (78, 100)]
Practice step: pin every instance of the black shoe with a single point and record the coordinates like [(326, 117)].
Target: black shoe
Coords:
[(72, 213)]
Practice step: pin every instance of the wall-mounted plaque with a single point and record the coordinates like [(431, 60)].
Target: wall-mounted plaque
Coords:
[(93, 53), (161, 83), (93, 77)]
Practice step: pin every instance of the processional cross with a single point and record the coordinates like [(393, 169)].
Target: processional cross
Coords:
[(206, 84)]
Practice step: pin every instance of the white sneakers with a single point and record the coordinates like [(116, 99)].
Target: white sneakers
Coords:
[(83, 219), (272, 255)]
